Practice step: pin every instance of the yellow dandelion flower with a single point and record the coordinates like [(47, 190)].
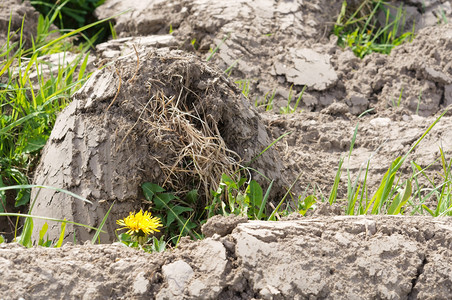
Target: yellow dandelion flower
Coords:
[(140, 223)]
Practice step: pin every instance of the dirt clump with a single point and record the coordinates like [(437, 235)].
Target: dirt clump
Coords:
[(156, 116), (221, 225), (83, 272), (15, 11), (112, 49)]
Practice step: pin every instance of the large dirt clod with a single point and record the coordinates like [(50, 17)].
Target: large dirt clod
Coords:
[(156, 116)]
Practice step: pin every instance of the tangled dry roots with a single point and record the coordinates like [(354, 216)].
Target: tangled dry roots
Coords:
[(199, 153)]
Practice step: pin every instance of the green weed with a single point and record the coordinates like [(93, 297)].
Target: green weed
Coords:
[(399, 100), (72, 14), (391, 196), (229, 69), (151, 245), (288, 109), (360, 31), (176, 214), (25, 238), (442, 18), (29, 104), (244, 85), (213, 51), (273, 215), (267, 102), (442, 193), (194, 43), (114, 35), (239, 197)]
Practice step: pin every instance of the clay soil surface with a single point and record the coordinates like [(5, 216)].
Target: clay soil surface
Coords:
[(307, 258), (271, 46)]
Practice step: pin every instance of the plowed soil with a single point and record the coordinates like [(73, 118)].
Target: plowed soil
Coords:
[(272, 47)]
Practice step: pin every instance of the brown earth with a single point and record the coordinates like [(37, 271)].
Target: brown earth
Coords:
[(106, 149), (367, 257), (271, 45)]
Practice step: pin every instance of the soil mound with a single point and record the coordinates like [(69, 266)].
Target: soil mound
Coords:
[(155, 116), (322, 257)]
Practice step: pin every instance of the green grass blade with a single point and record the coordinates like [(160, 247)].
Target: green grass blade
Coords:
[(364, 191), (406, 195), (352, 194), (299, 98), (400, 200), (268, 147), (381, 196), (352, 202), (29, 186), (53, 42), (182, 231), (264, 201), (428, 210), (422, 171), (272, 216), (42, 234), (61, 238), (337, 179), (25, 238), (217, 48), (81, 72), (420, 139), (99, 230), (47, 219)]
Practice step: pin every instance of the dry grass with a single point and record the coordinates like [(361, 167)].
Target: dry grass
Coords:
[(197, 154)]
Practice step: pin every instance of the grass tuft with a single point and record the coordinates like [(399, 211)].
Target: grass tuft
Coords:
[(360, 29), (34, 88)]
